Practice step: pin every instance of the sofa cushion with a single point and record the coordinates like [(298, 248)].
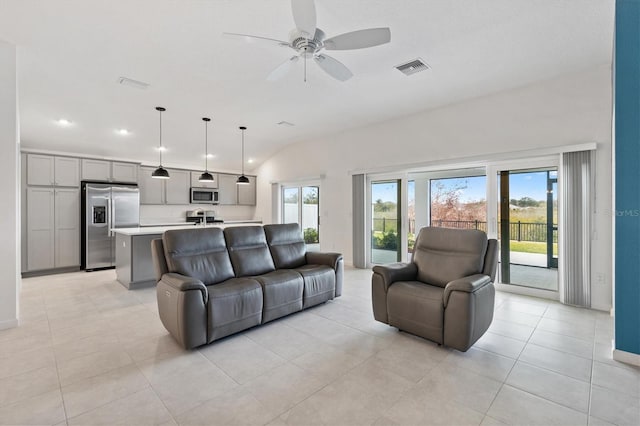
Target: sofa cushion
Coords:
[(286, 244), (319, 284), (417, 308), (282, 293), (198, 253), (234, 305), (443, 255), (248, 250)]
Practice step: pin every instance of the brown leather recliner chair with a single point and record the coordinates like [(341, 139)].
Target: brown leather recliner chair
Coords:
[(446, 293)]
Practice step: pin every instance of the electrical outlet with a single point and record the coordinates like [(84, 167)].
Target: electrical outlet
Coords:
[(599, 278)]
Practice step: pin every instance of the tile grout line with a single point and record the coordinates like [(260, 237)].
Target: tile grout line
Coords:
[(516, 361)]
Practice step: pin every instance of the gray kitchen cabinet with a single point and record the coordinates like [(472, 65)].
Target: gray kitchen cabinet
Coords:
[(49, 170), (67, 171), (40, 228), (53, 228), (67, 227), (227, 189), (195, 183), (151, 190), (99, 170), (247, 193), (177, 187), (40, 169), (124, 172)]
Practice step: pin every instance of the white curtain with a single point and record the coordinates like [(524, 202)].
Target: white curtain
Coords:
[(577, 185)]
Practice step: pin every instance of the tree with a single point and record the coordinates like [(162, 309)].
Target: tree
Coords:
[(446, 204), (310, 195), (291, 198)]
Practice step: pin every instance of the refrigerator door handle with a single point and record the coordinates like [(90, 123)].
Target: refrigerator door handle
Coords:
[(109, 216)]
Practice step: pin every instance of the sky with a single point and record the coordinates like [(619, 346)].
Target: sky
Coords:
[(529, 184)]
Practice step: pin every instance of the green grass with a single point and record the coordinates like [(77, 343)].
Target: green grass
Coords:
[(532, 247)]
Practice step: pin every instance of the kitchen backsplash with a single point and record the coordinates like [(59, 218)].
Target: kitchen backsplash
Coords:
[(157, 214)]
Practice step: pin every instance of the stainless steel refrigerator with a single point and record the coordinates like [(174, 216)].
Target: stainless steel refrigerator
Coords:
[(106, 206)]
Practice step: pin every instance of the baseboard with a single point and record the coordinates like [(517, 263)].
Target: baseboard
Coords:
[(626, 357), (12, 323)]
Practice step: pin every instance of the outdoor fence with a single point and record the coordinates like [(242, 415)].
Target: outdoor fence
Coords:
[(519, 231)]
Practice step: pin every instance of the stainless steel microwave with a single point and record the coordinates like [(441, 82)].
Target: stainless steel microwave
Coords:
[(204, 196)]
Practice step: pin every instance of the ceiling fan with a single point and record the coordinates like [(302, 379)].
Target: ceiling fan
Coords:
[(309, 42)]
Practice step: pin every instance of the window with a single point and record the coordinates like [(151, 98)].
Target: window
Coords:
[(301, 205)]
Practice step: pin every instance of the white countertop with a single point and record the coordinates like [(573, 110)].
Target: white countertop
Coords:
[(151, 230)]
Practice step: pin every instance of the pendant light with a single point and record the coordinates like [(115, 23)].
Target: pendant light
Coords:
[(243, 180), (160, 172), (206, 176)]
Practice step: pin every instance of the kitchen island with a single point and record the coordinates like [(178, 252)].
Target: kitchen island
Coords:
[(134, 266)]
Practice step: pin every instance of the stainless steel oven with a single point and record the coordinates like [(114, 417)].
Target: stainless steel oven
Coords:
[(204, 196)]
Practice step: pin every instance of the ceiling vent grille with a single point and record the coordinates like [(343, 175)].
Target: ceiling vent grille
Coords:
[(413, 67), (133, 83)]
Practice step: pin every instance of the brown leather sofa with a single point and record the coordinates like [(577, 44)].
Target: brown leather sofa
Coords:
[(446, 293), (214, 282)]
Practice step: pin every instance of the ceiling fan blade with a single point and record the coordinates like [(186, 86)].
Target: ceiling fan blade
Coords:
[(359, 39), (304, 15), (333, 67), (251, 38), (282, 69)]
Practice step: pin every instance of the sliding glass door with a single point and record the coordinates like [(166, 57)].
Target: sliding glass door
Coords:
[(386, 223), (300, 205), (528, 227)]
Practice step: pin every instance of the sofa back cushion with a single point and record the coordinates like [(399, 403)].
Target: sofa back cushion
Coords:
[(444, 255), (286, 245), (198, 253), (248, 250)]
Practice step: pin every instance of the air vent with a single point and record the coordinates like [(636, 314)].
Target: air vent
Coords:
[(285, 123), (413, 67), (133, 83)]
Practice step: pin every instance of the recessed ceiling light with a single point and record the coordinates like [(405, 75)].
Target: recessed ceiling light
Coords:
[(63, 122), (123, 132), (211, 156), (161, 148), (250, 160)]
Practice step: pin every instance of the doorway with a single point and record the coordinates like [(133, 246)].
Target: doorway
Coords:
[(386, 221), (528, 227), (300, 204)]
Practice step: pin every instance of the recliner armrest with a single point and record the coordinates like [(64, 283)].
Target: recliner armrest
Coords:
[(468, 284), (396, 272), (329, 259), (184, 283)]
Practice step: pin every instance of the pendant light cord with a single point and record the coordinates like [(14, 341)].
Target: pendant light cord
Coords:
[(242, 152), (160, 138), (206, 152)]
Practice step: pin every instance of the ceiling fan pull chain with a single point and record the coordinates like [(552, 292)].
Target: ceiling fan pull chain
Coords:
[(305, 64)]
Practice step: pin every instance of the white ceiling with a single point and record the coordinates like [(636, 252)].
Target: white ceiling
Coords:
[(72, 52)]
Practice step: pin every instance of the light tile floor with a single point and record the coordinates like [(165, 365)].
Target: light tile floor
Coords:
[(91, 352)]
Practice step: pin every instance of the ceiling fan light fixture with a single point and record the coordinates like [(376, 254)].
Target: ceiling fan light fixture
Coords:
[(160, 172)]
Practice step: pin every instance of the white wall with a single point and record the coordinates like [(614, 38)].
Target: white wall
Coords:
[(9, 189), (571, 109)]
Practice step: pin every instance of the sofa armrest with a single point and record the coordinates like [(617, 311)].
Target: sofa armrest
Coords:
[(468, 284), (396, 272), (329, 259), (184, 283)]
